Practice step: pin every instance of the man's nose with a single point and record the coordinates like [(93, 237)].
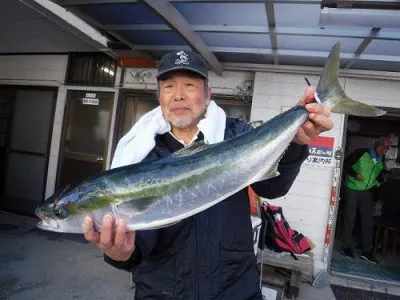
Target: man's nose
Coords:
[(179, 92)]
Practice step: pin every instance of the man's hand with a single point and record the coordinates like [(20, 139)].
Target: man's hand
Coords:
[(359, 177), (118, 245), (318, 119)]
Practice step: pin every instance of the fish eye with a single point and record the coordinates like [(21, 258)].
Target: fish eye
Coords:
[(60, 213)]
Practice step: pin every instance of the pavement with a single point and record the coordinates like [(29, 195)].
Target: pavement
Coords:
[(36, 264)]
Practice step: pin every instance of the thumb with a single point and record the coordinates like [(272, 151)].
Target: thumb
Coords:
[(308, 96)]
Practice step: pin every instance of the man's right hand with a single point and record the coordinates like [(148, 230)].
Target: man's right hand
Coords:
[(118, 245), (359, 177)]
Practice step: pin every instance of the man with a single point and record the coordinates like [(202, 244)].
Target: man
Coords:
[(364, 170), (209, 255)]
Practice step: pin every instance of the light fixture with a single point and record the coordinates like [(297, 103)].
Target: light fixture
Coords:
[(107, 70), (379, 18)]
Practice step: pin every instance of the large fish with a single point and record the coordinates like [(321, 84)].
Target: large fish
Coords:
[(162, 192)]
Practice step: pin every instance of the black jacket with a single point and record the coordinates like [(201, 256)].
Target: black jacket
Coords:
[(209, 255)]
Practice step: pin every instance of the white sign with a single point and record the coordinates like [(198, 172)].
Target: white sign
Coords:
[(90, 95), (90, 101), (268, 294)]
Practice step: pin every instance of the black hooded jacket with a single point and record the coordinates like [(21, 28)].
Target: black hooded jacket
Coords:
[(209, 255)]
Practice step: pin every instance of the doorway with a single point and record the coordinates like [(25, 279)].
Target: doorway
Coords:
[(85, 136), (362, 133), (26, 121)]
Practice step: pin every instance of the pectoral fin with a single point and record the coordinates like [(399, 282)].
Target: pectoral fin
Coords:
[(271, 172), (193, 148), (135, 206)]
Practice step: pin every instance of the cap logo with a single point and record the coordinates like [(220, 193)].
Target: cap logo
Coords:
[(183, 58)]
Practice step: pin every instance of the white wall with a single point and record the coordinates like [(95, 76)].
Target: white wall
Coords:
[(42, 70), (376, 92), (306, 205)]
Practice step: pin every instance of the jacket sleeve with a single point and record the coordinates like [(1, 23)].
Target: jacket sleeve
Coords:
[(351, 160), (145, 242), (289, 168)]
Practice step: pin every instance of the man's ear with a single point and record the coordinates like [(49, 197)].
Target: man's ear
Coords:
[(208, 98)]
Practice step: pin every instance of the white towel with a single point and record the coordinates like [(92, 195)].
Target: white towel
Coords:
[(140, 140)]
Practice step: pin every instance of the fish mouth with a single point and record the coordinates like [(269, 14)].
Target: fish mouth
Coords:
[(48, 224)]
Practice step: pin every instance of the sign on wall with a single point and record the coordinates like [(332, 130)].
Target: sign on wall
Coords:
[(90, 99), (321, 152)]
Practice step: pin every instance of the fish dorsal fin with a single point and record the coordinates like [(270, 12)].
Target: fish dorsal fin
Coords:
[(135, 206), (191, 149)]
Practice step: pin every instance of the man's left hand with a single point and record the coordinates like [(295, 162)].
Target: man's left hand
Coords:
[(318, 119)]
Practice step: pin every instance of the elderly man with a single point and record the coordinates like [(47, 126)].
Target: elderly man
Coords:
[(209, 255), (363, 169)]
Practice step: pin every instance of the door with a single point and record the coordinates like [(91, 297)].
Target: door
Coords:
[(27, 147), (85, 136)]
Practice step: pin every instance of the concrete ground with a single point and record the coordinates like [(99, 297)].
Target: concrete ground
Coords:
[(43, 265)]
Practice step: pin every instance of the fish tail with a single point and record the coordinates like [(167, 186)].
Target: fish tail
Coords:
[(331, 94)]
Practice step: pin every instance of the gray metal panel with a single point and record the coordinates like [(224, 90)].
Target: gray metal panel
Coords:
[(376, 65), (24, 30), (384, 47), (317, 43), (176, 21), (31, 121), (245, 14), (236, 40), (243, 57)]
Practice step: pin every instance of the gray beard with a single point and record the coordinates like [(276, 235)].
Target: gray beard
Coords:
[(181, 123)]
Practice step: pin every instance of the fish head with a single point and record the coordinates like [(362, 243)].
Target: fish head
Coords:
[(52, 212)]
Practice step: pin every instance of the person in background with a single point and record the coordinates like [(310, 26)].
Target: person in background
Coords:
[(364, 169), (209, 255), (389, 192)]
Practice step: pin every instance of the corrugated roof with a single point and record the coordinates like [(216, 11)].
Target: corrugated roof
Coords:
[(278, 32)]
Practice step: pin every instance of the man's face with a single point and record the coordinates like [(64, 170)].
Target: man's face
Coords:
[(382, 147), (183, 99)]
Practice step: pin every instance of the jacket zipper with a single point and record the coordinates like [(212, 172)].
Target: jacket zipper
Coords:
[(369, 177)]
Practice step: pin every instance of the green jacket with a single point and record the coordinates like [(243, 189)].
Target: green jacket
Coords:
[(360, 162)]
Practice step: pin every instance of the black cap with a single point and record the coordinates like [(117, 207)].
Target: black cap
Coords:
[(182, 60)]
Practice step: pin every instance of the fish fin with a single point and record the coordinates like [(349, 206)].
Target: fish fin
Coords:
[(332, 94), (272, 172), (193, 148), (351, 107), (256, 123), (134, 206)]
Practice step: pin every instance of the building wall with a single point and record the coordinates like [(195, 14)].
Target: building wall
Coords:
[(306, 205), (42, 70)]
